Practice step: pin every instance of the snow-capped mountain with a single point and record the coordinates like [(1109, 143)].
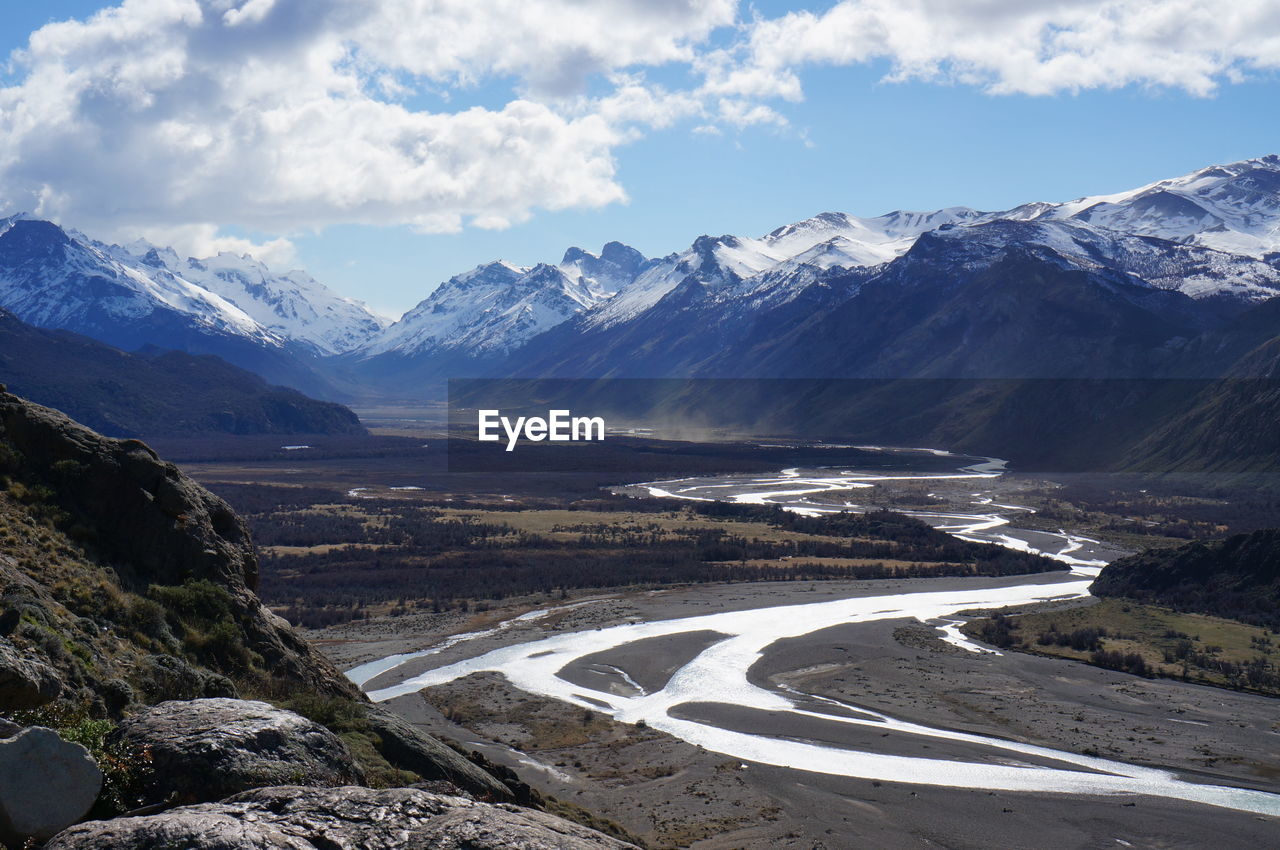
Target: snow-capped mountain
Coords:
[(1230, 214), (1233, 208), (52, 279), (497, 307), (492, 309), (1144, 261), (1224, 221), (293, 305), (145, 296), (1212, 236), (616, 267)]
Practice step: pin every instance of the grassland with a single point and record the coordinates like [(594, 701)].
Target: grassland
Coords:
[(1146, 640), (332, 561)]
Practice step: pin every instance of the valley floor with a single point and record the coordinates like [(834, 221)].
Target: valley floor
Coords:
[(676, 794)]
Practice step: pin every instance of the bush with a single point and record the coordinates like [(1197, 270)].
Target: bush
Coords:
[(126, 771), (997, 631), (1126, 662), (201, 599), (147, 617)]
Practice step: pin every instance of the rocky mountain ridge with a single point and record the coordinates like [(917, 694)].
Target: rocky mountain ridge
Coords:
[(1212, 235)]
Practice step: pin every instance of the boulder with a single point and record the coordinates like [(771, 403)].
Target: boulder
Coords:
[(410, 749), (25, 682), (46, 784), (294, 818), (205, 749)]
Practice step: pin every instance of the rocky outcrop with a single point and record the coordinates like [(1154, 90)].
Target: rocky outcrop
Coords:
[(170, 677), (152, 525), (25, 682), (407, 748), (206, 749), (293, 818), (46, 784)]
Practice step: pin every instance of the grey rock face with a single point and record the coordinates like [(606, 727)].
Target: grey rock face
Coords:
[(294, 818), (46, 784), (206, 749), (168, 677), (25, 682), (407, 748)]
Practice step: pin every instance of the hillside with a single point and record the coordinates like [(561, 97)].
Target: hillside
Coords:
[(1237, 578), (154, 392), (117, 553), (129, 624)]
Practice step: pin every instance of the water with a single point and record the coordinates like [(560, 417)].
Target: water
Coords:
[(718, 674)]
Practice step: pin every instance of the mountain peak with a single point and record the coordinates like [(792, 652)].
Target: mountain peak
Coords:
[(35, 234), (623, 255), (543, 272), (574, 255)]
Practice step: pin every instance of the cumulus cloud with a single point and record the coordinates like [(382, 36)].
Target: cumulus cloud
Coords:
[(261, 114), (282, 116), (1012, 46), (204, 240)]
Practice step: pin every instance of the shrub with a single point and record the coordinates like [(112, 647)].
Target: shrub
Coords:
[(201, 599), (126, 771)]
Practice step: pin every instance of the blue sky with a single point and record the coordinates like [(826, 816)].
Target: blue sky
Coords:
[(857, 142)]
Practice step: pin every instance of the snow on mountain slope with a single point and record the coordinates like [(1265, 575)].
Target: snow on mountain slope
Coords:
[(1233, 208), (489, 310), (866, 241), (1189, 268), (54, 279), (604, 275), (292, 305), (1230, 214), (779, 265), (1205, 234), (712, 262)]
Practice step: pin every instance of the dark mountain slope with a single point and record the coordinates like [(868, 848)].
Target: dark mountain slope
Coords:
[(154, 392), (1238, 577), (1231, 426), (1020, 311)]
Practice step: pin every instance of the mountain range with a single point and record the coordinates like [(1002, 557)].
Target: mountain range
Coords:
[(154, 392), (1170, 280)]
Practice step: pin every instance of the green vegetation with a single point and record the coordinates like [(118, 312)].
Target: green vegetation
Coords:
[(201, 612), (348, 719), (125, 770), (327, 563), (1145, 640)]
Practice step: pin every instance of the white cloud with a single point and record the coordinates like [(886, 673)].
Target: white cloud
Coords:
[(1013, 46), (287, 116), (203, 240), (280, 115), (551, 45)]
